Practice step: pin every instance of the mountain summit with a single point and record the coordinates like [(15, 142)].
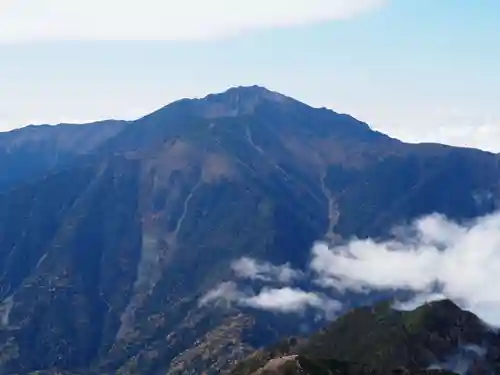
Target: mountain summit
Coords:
[(246, 95), (239, 100), (106, 253), (236, 101), (256, 112)]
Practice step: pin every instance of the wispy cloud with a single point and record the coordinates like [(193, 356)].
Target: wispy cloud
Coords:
[(247, 268), (226, 291), (460, 126), (435, 256), (163, 19), (418, 300), (462, 361), (284, 299), (278, 300)]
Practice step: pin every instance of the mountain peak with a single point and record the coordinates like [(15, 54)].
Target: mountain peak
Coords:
[(244, 99), (253, 91), (235, 101)]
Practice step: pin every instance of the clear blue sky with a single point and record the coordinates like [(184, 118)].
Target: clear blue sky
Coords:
[(418, 69)]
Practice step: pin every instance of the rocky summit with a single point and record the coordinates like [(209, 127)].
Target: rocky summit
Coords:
[(113, 235)]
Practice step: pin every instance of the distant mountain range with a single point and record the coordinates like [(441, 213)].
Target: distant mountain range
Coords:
[(111, 234)]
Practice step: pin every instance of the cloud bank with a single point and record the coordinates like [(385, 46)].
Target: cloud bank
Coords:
[(32, 20), (436, 259)]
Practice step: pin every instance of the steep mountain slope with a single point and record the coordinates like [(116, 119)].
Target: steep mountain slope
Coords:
[(103, 264), (431, 335), (28, 153), (380, 339)]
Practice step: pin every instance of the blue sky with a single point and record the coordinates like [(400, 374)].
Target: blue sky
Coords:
[(421, 70)]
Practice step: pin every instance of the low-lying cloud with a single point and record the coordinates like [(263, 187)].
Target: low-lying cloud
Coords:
[(248, 268), (290, 300), (226, 291), (32, 20), (279, 300), (462, 361), (417, 301), (437, 258)]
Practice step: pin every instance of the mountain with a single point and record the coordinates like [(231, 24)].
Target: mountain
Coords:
[(29, 153), (105, 258), (380, 339)]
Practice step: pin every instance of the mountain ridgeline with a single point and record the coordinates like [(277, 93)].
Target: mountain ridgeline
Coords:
[(435, 338), (110, 233)]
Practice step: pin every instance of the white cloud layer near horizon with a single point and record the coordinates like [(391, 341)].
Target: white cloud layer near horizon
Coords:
[(38, 20)]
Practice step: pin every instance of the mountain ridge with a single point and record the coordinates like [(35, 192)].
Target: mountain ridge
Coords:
[(381, 339), (95, 254)]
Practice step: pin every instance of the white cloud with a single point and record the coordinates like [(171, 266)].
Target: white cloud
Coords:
[(227, 291), (279, 300), (284, 300), (28, 20), (247, 268), (476, 134), (291, 300), (461, 262), (465, 127), (417, 301)]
